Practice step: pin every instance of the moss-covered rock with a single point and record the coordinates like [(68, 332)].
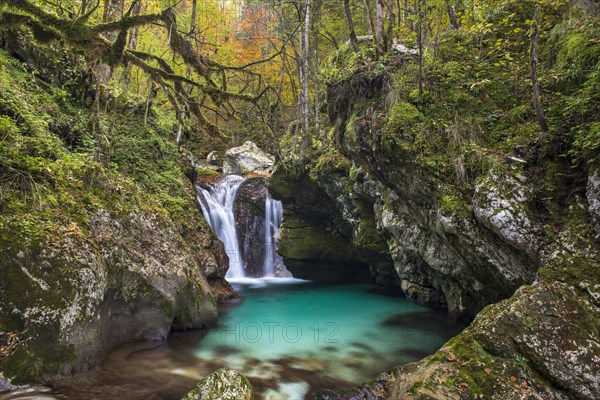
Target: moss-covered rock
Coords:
[(317, 241), (224, 384), (101, 241)]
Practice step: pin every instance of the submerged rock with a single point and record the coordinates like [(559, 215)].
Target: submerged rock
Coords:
[(247, 159), (224, 384)]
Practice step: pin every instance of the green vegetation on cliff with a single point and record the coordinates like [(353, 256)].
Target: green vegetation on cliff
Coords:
[(62, 165)]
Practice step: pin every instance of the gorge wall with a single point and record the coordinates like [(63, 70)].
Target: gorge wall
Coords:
[(472, 210), (101, 240)]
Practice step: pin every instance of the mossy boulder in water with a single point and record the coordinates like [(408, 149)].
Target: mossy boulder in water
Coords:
[(224, 384)]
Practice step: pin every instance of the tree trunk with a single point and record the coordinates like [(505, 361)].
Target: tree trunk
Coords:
[(301, 112), (537, 101), (136, 9), (391, 23), (420, 4), (353, 39), (193, 19), (452, 15), (113, 10), (134, 32), (379, 31), (306, 73), (316, 99), (370, 18), (83, 7)]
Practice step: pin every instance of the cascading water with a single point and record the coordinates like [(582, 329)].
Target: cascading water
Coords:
[(273, 216), (216, 202)]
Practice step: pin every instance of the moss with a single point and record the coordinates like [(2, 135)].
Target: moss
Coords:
[(61, 164), (402, 115), (36, 359), (224, 384), (331, 161), (299, 242), (368, 238)]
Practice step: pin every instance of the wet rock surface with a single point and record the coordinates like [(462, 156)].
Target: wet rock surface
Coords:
[(224, 384), (315, 242), (249, 211)]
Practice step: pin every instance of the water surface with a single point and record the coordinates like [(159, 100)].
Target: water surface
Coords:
[(289, 337)]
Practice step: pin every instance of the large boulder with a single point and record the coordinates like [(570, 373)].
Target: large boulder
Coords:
[(224, 384), (248, 159), (73, 297)]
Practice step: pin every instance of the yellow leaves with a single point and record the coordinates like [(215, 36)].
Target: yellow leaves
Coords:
[(517, 30)]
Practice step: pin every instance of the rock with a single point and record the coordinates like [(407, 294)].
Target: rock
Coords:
[(131, 277), (427, 296), (593, 197), (215, 158), (551, 328), (248, 159), (377, 389), (249, 211), (224, 384), (402, 49), (315, 242), (5, 384), (222, 290), (500, 205)]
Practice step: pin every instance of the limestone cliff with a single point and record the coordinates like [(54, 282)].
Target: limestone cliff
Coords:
[(478, 211)]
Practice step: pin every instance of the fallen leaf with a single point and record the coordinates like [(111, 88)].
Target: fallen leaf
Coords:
[(487, 371)]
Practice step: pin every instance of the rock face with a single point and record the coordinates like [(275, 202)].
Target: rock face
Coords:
[(500, 204), (77, 295), (439, 259), (247, 159), (316, 242), (224, 384), (593, 197), (249, 211)]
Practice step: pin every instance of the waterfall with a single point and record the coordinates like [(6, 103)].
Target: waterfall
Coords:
[(273, 214), (217, 206), (217, 203)]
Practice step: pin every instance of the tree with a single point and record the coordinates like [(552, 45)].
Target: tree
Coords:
[(537, 101), (353, 39), (105, 39), (379, 30)]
